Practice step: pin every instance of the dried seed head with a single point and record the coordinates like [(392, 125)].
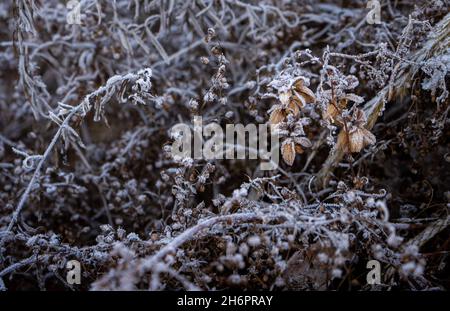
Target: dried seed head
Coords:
[(211, 34)]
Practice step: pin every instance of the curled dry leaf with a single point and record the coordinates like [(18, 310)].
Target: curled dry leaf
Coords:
[(332, 112), (285, 98), (303, 142), (301, 90), (288, 151), (277, 115), (291, 147), (356, 139), (294, 106), (299, 96), (299, 149), (359, 117), (368, 137)]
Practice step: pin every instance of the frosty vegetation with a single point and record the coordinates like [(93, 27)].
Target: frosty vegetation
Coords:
[(362, 111)]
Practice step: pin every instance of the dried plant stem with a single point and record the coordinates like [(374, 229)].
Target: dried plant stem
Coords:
[(84, 108), (429, 232), (190, 233), (375, 106), (37, 171)]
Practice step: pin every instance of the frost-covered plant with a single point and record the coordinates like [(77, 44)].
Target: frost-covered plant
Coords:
[(85, 172)]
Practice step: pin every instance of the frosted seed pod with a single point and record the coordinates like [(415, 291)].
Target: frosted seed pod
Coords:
[(243, 249), (254, 240), (229, 114)]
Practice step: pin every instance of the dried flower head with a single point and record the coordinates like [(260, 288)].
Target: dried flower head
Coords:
[(355, 136), (292, 99)]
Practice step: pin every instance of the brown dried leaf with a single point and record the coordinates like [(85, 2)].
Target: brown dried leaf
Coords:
[(285, 98), (303, 141), (298, 149), (360, 117), (307, 94), (294, 107), (356, 140), (277, 116), (299, 98), (332, 111), (288, 152), (369, 138), (343, 142)]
